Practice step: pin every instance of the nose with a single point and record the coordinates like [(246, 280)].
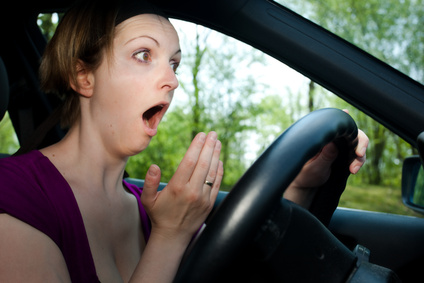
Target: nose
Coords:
[(168, 79)]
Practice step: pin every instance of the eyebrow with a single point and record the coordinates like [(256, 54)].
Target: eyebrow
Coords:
[(178, 51), (141, 36), (152, 38)]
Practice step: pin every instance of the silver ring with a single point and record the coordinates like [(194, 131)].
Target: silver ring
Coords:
[(210, 184)]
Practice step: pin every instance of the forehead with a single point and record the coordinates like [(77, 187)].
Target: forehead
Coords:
[(146, 24)]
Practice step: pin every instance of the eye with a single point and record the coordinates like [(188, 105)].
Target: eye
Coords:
[(174, 66), (143, 56)]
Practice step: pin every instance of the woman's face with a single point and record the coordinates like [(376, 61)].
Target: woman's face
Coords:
[(133, 90)]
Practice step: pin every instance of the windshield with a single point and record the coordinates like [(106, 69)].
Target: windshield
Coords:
[(390, 30)]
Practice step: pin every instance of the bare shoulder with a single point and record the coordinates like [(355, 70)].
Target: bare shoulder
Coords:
[(28, 255)]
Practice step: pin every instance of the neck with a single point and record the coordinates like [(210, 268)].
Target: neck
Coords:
[(85, 163)]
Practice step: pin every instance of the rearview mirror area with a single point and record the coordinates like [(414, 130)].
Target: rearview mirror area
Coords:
[(413, 184)]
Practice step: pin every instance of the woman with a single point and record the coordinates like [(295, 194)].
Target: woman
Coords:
[(66, 213)]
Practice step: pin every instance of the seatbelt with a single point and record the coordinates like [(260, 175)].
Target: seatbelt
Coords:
[(37, 136), (26, 124)]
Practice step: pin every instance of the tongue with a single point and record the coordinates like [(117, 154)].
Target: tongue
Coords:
[(150, 120), (148, 128)]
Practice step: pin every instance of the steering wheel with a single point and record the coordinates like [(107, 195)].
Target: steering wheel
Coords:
[(256, 195)]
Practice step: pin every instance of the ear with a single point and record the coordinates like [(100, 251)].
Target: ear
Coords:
[(84, 82)]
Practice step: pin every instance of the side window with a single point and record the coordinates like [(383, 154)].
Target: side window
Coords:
[(8, 140), (249, 98), (48, 23)]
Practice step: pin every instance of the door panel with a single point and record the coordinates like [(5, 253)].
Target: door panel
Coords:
[(395, 241)]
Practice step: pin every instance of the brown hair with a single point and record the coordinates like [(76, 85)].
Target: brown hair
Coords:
[(83, 35)]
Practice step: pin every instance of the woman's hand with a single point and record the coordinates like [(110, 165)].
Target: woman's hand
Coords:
[(183, 205), (317, 171), (180, 209)]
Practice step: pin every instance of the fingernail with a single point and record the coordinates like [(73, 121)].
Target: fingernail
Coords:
[(202, 137), (218, 145), (363, 151), (153, 170), (356, 169), (213, 136)]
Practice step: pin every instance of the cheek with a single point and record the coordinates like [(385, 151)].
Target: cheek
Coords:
[(121, 94), (121, 90)]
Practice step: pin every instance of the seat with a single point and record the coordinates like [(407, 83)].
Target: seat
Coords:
[(4, 94), (4, 89)]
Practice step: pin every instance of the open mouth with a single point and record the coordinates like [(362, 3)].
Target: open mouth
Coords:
[(153, 116)]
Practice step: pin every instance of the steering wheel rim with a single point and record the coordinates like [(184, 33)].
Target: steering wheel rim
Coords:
[(261, 188)]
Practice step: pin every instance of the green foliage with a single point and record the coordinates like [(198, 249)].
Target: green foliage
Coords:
[(8, 140), (48, 23), (375, 198)]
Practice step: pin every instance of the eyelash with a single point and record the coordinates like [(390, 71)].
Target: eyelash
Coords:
[(146, 51), (174, 64)]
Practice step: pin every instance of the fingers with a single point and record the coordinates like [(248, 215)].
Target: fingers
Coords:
[(189, 162), (215, 173), (217, 182), (183, 205), (200, 163), (329, 153), (214, 164), (360, 152), (317, 170), (362, 146), (151, 184), (207, 163)]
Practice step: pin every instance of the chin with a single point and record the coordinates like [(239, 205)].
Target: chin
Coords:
[(142, 147), (134, 149)]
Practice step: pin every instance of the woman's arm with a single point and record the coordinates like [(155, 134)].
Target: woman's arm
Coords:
[(28, 255)]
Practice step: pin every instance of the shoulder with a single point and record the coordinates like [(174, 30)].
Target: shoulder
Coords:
[(19, 176), (26, 175), (29, 191), (22, 165)]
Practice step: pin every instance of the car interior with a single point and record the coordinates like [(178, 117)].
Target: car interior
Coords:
[(253, 234)]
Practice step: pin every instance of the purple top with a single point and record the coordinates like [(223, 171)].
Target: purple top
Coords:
[(35, 192)]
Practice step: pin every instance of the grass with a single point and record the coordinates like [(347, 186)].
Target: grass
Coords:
[(376, 198)]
